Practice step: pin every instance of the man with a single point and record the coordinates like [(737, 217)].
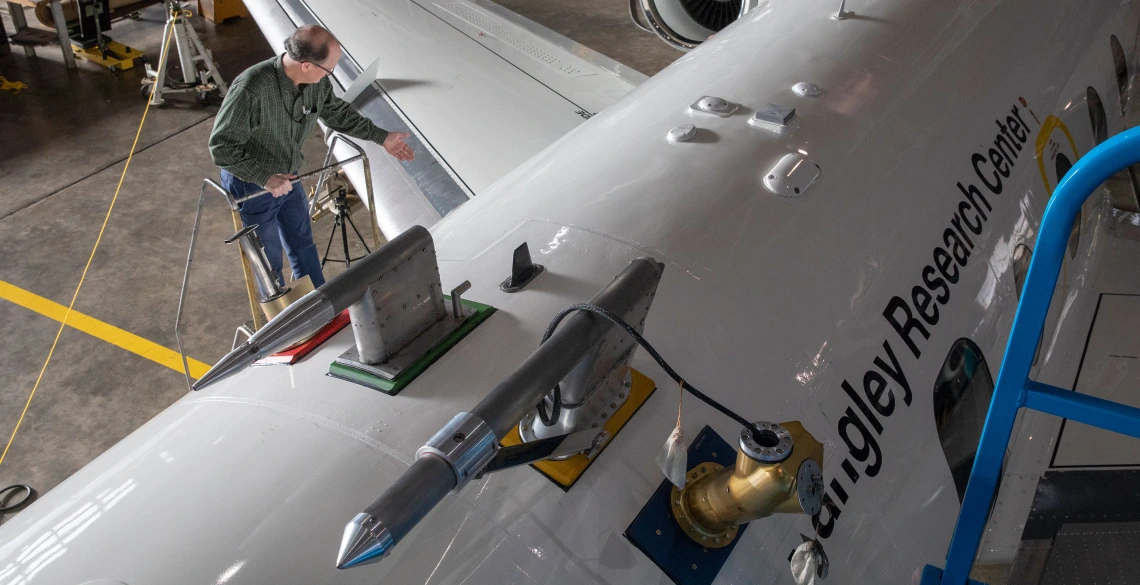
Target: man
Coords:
[(269, 111)]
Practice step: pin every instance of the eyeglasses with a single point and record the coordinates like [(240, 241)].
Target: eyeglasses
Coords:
[(318, 66)]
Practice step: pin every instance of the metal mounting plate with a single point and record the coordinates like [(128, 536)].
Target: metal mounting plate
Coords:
[(566, 472), (598, 385), (657, 535), (365, 375), (414, 350), (604, 404)]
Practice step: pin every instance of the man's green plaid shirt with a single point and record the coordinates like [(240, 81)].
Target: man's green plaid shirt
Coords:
[(265, 119)]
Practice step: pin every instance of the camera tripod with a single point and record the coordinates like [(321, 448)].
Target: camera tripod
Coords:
[(343, 218)]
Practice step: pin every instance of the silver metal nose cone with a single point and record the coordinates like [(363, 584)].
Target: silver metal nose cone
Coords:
[(364, 542), (234, 361), (302, 318)]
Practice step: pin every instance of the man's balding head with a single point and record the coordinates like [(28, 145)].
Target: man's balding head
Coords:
[(310, 43)]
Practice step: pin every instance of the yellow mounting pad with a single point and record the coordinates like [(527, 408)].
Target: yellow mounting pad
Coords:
[(565, 473)]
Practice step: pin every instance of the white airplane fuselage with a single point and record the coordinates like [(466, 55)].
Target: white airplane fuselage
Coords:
[(936, 133)]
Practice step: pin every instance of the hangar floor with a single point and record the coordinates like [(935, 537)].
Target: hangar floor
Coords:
[(63, 145)]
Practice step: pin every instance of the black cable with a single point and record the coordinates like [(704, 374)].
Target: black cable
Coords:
[(616, 320), (28, 494), (556, 408), (172, 79)]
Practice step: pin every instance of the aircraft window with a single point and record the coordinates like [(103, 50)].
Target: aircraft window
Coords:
[(1063, 166), (1121, 65), (1021, 257), (1097, 117), (1122, 187), (962, 395)]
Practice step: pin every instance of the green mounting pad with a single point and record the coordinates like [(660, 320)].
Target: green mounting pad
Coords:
[(394, 386)]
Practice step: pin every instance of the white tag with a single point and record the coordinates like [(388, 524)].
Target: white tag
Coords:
[(673, 458)]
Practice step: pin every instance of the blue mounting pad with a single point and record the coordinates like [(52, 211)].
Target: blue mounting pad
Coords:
[(658, 536)]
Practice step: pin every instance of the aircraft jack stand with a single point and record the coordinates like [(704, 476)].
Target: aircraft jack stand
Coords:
[(191, 52), (114, 56)]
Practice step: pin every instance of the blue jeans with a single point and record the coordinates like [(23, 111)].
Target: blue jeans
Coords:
[(280, 220)]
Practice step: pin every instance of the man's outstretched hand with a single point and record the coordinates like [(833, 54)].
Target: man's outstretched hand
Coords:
[(280, 185), (396, 146)]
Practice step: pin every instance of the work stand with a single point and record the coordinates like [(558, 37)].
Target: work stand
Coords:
[(210, 184)]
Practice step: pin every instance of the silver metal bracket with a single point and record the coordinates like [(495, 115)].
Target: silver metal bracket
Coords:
[(603, 404), (598, 385), (254, 251), (457, 311), (466, 443), (586, 442), (809, 487), (401, 317), (600, 441)]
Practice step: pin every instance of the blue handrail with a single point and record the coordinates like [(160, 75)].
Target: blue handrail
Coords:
[(1014, 389)]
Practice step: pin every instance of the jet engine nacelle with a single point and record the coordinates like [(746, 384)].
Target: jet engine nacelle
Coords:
[(684, 24)]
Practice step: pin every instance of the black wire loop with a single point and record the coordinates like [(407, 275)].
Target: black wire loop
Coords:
[(555, 398), (15, 488), (616, 320)]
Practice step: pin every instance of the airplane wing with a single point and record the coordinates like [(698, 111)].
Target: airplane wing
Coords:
[(480, 88)]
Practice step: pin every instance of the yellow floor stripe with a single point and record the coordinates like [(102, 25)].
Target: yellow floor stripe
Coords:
[(105, 331)]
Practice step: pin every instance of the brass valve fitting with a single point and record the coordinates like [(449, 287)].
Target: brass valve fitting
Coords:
[(778, 471)]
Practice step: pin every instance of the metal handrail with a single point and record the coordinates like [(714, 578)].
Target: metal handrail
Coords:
[(1014, 389), (324, 169), (186, 273), (233, 205)]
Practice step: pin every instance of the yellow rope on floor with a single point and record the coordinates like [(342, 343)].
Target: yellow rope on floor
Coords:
[(63, 323), (12, 86)]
